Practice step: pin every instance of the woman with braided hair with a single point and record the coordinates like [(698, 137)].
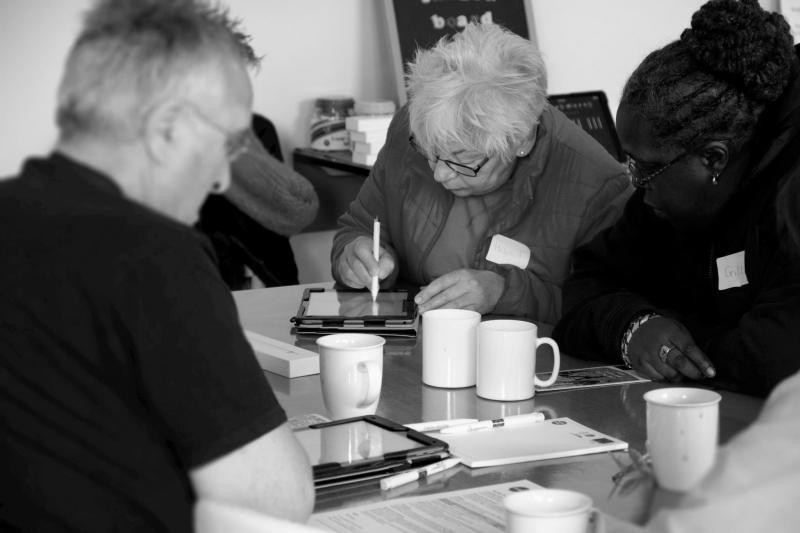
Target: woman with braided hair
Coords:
[(698, 280)]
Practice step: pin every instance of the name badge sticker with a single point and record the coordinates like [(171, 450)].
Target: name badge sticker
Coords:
[(730, 271), (505, 251)]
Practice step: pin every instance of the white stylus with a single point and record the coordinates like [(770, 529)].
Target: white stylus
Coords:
[(419, 473), (438, 425), (509, 421), (376, 251)]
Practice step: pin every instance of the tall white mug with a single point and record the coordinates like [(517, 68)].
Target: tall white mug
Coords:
[(682, 429), (449, 339), (550, 511), (507, 360), (351, 371)]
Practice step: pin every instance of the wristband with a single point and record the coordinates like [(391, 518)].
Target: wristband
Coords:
[(626, 337)]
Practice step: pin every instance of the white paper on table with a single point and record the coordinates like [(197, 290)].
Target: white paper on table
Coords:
[(478, 510)]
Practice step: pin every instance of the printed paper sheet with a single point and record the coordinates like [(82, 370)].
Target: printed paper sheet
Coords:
[(476, 510)]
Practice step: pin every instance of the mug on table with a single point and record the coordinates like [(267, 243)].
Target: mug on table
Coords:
[(550, 511), (351, 372), (506, 362), (682, 432), (449, 344)]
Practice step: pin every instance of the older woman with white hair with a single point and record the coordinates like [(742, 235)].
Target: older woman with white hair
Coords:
[(482, 189)]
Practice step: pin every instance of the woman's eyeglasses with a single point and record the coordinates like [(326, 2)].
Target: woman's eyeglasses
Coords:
[(642, 174), (459, 168)]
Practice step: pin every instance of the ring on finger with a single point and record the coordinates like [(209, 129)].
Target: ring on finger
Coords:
[(664, 351)]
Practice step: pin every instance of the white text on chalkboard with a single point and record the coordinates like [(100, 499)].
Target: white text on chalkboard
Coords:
[(460, 21)]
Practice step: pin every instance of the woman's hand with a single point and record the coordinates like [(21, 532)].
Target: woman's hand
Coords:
[(477, 290), (663, 350), (357, 264)]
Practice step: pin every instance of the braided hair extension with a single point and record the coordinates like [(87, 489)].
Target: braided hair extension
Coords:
[(715, 81)]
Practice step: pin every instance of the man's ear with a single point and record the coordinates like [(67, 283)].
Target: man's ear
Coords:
[(716, 156), (160, 128)]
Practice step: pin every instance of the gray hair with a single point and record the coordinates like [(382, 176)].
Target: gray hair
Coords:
[(133, 54), (482, 89)]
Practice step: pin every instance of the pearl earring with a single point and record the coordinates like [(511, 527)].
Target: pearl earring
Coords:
[(714, 177), (522, 153)]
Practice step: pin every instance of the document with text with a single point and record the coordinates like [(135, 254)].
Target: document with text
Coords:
[(476, 510)]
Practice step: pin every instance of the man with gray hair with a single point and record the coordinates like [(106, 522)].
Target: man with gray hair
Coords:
[(129, 390)]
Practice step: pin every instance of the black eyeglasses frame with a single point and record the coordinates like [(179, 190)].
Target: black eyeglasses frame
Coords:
[(459, 168), (634, 170)]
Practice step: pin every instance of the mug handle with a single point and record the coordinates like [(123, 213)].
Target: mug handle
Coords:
[(556, 362), (373, 377), (597, 523)]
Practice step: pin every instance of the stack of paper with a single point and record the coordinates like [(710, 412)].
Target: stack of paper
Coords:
[(367, 136), (557, 437)]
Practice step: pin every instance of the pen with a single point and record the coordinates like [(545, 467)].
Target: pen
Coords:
[(418, 473), (440, 424), (376, 251), (509, 421)]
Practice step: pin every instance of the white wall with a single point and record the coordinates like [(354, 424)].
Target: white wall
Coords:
[(324, 47), (34, 38), (595, 45)]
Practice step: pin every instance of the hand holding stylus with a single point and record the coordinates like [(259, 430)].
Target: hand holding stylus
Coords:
[(356, 264), (376, 253)]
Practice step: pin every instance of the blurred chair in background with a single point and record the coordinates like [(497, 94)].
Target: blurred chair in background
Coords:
[(249, 226)]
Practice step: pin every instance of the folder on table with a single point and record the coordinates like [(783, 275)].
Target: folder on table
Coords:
[(551, 439)]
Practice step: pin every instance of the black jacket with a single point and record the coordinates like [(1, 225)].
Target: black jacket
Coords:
[(750, 333)]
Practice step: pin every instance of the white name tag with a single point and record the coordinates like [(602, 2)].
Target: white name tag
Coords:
[(505, 251), (730, 271)]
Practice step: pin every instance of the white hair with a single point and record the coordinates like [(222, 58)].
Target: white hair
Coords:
[(482, 89)]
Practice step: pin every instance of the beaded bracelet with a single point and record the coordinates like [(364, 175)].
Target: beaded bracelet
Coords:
[(632, 327)]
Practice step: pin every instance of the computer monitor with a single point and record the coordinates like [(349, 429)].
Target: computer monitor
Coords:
[(590, 111)]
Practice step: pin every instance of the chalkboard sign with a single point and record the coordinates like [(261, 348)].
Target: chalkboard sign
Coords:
[(417, 24)]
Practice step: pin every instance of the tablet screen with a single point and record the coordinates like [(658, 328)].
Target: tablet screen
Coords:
[(354, 304), (352, 442)]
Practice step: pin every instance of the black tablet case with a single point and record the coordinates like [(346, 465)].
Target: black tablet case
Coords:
[(403, 325), (335, 474)]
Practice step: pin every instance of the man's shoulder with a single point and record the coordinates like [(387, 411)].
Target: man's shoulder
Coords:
[(134, 234), (83, 231)]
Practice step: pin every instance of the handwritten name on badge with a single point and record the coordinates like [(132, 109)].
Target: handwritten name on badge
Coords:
[(505, 251), (730, 271)]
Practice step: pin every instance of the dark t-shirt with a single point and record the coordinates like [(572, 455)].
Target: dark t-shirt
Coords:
[(122, 360)]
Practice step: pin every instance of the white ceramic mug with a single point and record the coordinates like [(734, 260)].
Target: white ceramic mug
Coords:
[(449, 347), (550, 511), (682, 430), (507, 360), (351, 371)]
